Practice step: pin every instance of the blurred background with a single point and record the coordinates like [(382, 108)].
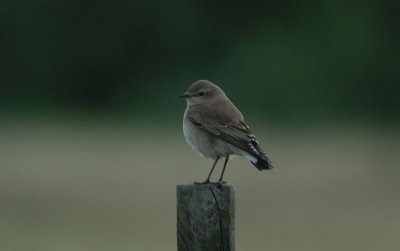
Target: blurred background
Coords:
[(90, 124)]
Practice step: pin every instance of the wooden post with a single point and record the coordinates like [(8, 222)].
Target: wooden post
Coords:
[(205, 217)]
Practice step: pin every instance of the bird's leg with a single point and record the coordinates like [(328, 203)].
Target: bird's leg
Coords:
[(223, 170), (209, 175)]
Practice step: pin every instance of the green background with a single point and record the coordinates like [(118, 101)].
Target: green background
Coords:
[(90, 124), (284, 59)]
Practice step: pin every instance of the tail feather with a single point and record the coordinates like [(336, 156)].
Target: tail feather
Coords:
[(261, 162)]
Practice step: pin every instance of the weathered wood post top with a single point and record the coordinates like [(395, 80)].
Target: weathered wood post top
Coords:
[(205, 217)]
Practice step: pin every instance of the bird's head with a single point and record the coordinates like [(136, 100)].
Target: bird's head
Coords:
[(202, 91)]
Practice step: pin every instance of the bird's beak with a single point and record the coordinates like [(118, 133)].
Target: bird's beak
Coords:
[(185, 95)]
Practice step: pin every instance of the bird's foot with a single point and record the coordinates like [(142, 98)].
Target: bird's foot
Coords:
[(202, 183), (220, 183)]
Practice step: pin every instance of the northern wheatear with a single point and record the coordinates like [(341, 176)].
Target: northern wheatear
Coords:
[(215, 128)]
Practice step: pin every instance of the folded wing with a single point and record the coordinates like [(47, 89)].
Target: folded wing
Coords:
[(237, 134)]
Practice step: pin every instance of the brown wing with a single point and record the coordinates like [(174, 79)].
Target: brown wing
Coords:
[(235, 133)]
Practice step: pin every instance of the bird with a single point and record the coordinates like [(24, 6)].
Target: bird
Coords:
[(215, 128)]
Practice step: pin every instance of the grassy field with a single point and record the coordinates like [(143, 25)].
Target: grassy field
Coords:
[(112, 187)]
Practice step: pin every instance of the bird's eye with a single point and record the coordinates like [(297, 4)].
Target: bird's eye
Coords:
[(201, 93)]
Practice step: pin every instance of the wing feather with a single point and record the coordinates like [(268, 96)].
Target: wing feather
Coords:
[(237, 134)]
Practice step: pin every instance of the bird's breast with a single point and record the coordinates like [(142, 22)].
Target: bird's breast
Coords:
[(198, 139), (205, 144)]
